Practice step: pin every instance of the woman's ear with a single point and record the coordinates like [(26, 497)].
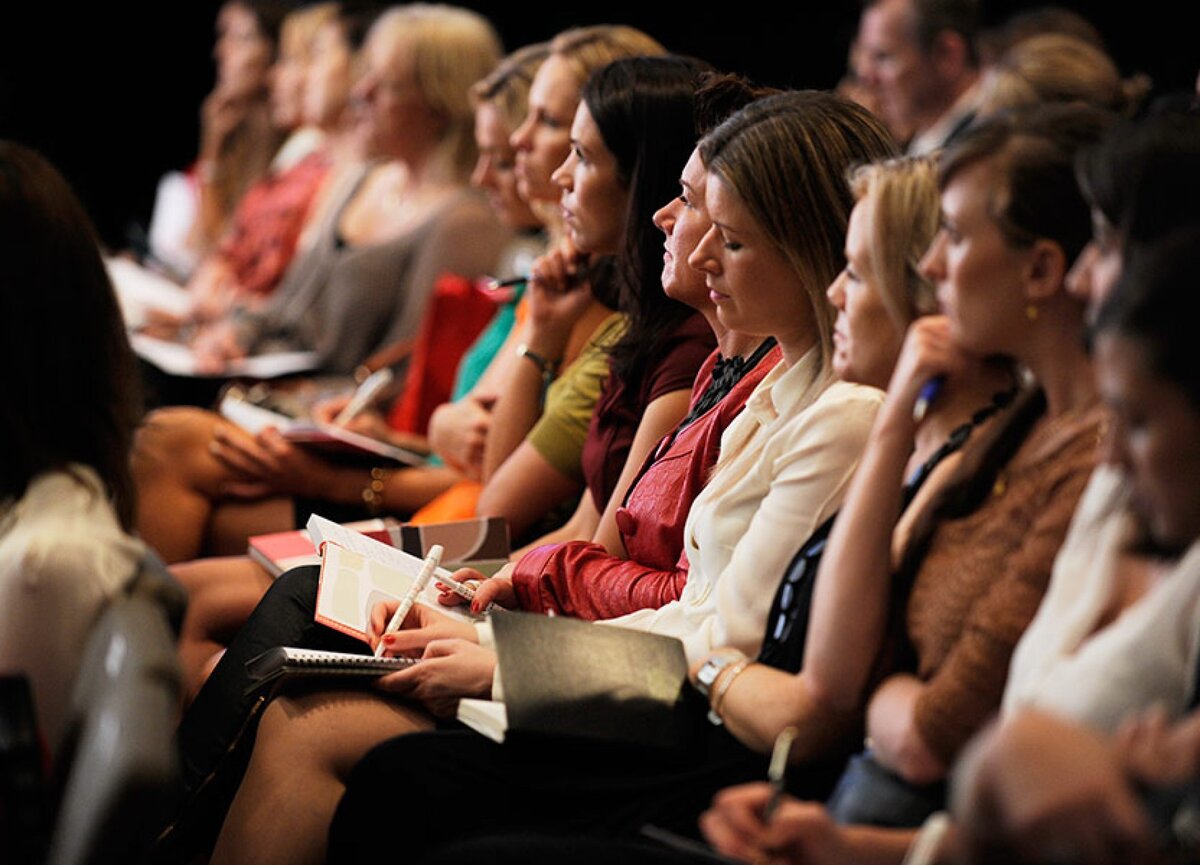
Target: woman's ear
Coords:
[(1046, 270)]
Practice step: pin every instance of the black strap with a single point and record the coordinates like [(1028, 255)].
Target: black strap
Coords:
[(787, 622)]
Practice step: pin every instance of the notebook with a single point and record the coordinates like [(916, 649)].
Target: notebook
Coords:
[(573, 678), (358, 572), (328, 439), (289, 662)]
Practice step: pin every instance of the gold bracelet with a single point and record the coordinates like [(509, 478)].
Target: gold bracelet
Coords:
[(372, 494), (727, 680)]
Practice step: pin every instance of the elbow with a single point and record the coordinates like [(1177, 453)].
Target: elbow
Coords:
[(917, 765), (834, 697)]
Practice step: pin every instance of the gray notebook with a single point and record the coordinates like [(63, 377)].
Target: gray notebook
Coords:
[(570, 677)]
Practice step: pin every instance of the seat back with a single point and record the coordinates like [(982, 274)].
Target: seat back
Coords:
[(119, 769)]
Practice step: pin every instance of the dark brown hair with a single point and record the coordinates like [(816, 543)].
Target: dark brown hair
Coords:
[(74, 395)]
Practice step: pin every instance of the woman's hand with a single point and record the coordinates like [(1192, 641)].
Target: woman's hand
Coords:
[(1155, 751), (558, 298), (798, 832), (369, 422), (268, 463), (449, 671), (928, 352), (896, 741), (215, 345), (488, 590), (420, 627), (458, 432)]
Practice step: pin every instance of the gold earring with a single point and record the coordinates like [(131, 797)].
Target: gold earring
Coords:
[(1031, 312)]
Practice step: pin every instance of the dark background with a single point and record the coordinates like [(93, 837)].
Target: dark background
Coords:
[(110, 92)]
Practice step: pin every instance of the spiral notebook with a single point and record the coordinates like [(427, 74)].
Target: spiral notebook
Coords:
[(284, 662)]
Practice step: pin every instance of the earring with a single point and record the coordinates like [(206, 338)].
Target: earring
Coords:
[(1031, 312)]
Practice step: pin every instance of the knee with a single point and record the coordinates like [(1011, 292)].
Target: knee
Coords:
[(292, 596), (171, 439)]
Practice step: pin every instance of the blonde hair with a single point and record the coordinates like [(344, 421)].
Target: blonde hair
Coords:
[(901, 205), (507, 86), (1055, 67), (587, 49), (300, 27), (452, 48), (786, 157)]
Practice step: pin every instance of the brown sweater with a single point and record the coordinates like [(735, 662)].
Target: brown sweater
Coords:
[(984, 574)]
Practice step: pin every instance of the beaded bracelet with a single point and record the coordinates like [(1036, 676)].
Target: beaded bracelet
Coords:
[(372, 494)]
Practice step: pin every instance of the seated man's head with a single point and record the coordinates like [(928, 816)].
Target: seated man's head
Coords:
[(917, 57)]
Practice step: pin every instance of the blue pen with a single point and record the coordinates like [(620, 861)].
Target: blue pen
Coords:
[(925, 398)]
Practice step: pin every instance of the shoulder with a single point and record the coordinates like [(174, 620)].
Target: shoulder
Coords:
[(465, 210), (62, 530), (849, 409)]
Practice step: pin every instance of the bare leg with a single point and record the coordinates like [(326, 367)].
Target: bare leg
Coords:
[(222, 593), (233, 523), (178, 479), (305, 749)]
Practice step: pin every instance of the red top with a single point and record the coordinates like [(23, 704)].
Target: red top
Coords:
[(582, 579), (616, 417), (267, 224)]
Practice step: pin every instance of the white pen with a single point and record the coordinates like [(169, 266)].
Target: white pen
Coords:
[(410, 597), (462, 590), (363, 395)]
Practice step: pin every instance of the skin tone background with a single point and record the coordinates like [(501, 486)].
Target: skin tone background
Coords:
[(114, 109)]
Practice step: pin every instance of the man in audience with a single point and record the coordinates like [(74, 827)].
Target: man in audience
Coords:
[(918, 59)]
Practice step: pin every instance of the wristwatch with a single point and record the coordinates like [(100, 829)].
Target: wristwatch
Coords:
[(712, 668), (547, 367)]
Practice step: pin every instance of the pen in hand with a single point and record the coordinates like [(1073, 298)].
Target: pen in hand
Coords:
[(463, 590), (777, 771), (928, 393), (410, 597), (363, 394)]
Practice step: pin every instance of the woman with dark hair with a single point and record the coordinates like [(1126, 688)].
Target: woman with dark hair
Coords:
[(66, 496), (1141, 181)]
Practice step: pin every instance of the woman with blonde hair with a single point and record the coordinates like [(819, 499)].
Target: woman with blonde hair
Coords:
[(1055, 67), (363, 283)]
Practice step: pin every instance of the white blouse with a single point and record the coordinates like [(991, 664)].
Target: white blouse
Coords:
[(63, 557), (785, 465), (1147, 656)]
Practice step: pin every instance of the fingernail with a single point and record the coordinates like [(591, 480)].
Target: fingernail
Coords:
[(389, 639)]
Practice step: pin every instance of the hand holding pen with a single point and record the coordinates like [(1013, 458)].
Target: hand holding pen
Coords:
[(410, 597), (364, 394), (777, 771)]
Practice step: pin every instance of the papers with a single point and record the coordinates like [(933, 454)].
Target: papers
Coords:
[(358, 572), (324, 437), (140, 290), (487, 717), (177, 359)]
